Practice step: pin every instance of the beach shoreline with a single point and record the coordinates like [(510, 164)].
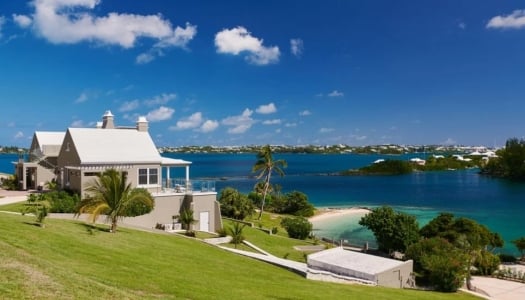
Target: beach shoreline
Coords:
[(330, 213)]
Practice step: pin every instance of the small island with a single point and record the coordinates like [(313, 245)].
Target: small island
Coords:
[(433, 163)]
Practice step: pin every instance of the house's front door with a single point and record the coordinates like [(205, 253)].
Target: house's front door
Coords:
[(204, 221)]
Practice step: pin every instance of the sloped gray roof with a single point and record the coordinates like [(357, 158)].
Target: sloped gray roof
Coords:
[(49, 142), (104, 146), (50, 137)]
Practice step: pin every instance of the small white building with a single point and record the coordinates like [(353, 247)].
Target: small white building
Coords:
[(346, 266)]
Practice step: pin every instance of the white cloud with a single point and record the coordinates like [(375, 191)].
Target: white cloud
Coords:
[(129, 105), (336, 93), (19, 135), (449, 141), (358, 137), (266, 109), (240, 123), (22, 20), (144, 58), (72, 21), (180, 38), (462, 25), (296, 47), (272, 122), (239, 129), (326, 130), (237, 40), (11, 124), (160, 114), (77, 124), (290, 125), (160, 99), (193, 121), (305, 113), (515, 20), (209, 126), (83, 97)]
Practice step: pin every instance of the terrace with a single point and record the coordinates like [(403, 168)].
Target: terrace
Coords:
[(184, 186)]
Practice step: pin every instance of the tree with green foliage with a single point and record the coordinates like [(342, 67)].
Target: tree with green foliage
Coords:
[(235, 204), (256, 196), (295, 203), (394, 231), (520, 244), (465, 234), (486, 263), (438, 263), (266, 165), (510, 162), (297, 227), (447, 226), (112, 195), (236, 233)]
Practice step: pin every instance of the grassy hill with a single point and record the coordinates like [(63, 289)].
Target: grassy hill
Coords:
[(66, 260)]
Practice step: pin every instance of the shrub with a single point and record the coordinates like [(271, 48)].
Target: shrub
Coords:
[(297, 228), (62, 201), (10, 183), (137, 208), (234, 204), (487, 263), (294, 203)]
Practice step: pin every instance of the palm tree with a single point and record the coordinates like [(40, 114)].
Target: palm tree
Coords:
[(266, 165), (186, 219), (236, 233), (110, 194)]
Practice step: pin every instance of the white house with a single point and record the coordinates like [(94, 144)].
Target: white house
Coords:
[(85, 152)]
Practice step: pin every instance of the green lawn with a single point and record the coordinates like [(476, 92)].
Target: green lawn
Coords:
[(15, 207), (277, 245), (65, 260)]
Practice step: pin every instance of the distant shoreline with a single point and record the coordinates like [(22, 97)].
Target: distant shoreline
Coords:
[(329, 213)]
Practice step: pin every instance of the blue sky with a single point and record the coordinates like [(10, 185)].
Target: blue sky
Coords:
[(258, 72)]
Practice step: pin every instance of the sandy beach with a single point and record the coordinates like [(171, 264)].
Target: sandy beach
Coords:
[(325, 214)]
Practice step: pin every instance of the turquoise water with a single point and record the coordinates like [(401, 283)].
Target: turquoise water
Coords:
[(498, 204)]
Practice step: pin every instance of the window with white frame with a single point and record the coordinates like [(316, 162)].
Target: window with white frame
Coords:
[(148, 176)]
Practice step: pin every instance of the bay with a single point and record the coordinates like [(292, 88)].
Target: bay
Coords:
[(496, 203)]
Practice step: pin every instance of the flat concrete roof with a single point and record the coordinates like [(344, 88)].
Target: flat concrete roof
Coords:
[(352, 260)]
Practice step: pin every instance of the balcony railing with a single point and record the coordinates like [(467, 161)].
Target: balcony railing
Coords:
[(179, 185)]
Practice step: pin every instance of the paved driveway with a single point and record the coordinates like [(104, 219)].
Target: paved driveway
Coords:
[(7, 197), (500, 289)]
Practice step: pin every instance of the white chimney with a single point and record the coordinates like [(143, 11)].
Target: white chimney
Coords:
[(107, 120), (142, 124)]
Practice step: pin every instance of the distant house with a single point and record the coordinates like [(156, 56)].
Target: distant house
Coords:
[(85, 152), (346, 266), (41, 162)]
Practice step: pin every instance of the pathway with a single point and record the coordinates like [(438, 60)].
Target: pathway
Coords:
[(294, 266)]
